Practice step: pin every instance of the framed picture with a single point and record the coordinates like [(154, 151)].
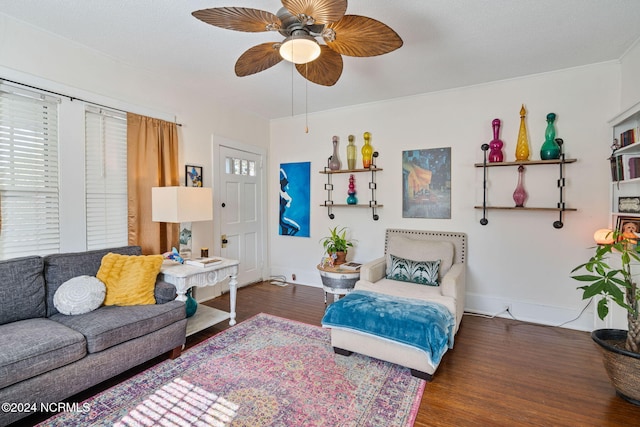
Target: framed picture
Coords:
[(295, 199), (629, 228), (629, 204), (193, 176), (426, 183)]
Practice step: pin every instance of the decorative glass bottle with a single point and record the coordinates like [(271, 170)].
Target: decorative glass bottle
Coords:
[(351, 153), (334, 161), (352, 199), (520, 195), (191, 305), (495, 146), (550, 149), (522, 147), (367, 151)]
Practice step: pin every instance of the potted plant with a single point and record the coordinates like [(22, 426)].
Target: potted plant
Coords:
[(621, 349), (338, 244)]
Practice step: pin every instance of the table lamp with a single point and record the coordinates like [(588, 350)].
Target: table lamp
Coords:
[(182, 205)]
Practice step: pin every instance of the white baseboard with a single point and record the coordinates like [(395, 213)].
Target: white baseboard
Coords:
[(530, 312)]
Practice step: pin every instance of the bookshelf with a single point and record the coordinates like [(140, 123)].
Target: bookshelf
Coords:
[(625, 165)]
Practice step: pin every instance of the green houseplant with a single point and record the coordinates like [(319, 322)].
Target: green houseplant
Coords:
[(621, 348), (337, 243)]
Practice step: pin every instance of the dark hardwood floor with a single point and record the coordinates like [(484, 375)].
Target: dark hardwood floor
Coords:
[(501, 372)]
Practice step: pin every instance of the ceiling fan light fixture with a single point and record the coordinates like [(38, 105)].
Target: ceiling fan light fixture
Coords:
[(300, 49)]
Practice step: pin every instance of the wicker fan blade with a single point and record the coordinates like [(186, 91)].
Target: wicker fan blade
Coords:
[(239, 19), (257, 59), (361, 36), (323, 11), (325, 70)]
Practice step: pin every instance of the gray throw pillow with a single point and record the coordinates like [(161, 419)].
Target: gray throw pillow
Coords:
[(420, 272)]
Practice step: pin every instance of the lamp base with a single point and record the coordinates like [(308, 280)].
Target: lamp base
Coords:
[(185, 240)]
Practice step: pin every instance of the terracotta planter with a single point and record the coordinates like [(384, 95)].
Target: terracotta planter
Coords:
[(341, 258), (623, 367)]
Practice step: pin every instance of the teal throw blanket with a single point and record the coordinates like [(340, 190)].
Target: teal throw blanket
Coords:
[(425, 325)]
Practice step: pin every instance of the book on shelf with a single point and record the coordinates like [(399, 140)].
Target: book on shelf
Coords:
[(617, 170), (631, 166), (354, 266), (627, 137), (203, 262)]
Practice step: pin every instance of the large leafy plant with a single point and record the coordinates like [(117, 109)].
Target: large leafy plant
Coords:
[(614, 284), (337, 241)]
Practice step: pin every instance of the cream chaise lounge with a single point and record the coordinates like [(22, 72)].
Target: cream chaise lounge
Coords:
[(448, 247)]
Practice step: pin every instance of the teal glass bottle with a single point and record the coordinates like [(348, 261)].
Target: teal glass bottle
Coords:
[(191, 305), (550, 149)]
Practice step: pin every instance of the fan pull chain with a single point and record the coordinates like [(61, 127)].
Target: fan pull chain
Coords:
[(306, 99)]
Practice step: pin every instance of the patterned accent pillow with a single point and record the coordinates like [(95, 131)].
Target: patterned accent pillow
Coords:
[(420, 272)]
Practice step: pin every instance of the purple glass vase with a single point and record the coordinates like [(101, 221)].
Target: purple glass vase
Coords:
[(520, 195)]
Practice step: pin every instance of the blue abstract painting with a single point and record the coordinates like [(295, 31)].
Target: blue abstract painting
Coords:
[(295, 199)]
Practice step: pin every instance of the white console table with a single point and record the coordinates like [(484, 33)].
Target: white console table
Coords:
[(184, 276)]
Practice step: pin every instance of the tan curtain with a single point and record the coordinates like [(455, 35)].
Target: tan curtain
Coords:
[(152, 161)]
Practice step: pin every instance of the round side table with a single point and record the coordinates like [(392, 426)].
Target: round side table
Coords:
[(337, 281)]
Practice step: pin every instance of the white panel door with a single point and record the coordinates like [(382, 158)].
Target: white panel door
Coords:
[(240, 219)]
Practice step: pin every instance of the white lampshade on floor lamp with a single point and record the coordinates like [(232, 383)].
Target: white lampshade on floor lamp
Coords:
[(182, 205)]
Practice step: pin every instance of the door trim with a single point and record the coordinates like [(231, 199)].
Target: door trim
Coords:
[(218, 141)]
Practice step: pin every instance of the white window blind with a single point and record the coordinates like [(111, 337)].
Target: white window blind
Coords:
[(106, 178), (29, 218)]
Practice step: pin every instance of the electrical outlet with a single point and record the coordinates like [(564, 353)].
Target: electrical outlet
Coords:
[(293, 277)]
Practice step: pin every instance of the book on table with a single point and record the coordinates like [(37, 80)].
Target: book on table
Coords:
[(355, 266), (203, 262)]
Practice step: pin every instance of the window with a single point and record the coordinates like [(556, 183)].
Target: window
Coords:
[(29, 202), (106, 178), (244, 167)]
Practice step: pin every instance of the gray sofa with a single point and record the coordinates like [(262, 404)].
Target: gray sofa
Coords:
[(46, 356)]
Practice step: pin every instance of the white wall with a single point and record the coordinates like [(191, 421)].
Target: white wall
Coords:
[(518, 258), (630, 83), (38, 58)]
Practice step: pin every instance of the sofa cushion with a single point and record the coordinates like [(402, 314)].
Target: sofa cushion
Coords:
[(22, 292), (112, 325), (129, 279), (33, 346), (79, 295), (59, 268), (420, 272), (421, 250)]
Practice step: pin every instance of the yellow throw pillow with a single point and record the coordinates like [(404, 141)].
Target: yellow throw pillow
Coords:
[(129, 279)]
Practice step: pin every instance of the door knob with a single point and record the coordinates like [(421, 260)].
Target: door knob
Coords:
[(224, 241)]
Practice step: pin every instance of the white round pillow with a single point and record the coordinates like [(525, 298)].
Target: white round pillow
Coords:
[(79, 295)]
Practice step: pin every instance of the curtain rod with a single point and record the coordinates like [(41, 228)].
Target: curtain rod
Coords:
[(72, 98)]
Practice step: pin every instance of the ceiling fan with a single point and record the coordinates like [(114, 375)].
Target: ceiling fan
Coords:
[(301, 22)]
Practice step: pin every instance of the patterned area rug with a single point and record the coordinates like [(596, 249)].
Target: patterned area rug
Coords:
[(265, 371)]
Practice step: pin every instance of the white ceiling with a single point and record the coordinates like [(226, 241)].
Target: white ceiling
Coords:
[(447, 44)]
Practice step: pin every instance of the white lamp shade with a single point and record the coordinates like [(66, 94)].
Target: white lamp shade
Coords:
[(300, 49), (181, 204)]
